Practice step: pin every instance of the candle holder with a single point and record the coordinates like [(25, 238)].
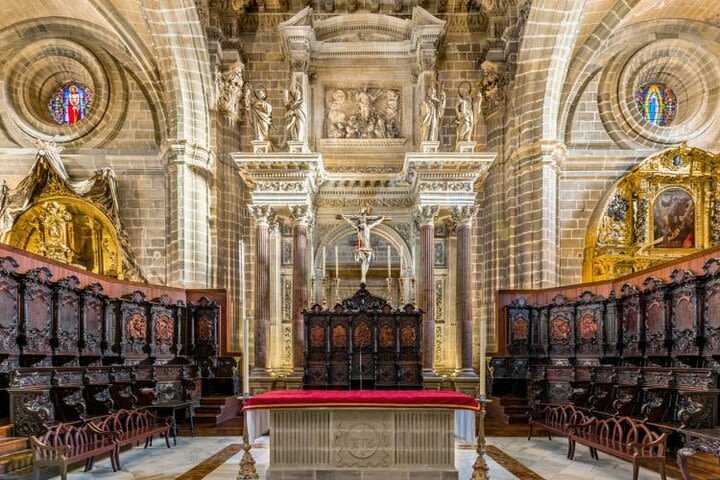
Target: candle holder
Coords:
[(337, 291), (401, 292), (480, 469), (312, 292), (389, 290), (324, 293), (246, 469), (412, 290)]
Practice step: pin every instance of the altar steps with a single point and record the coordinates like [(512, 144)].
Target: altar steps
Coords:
[(508, 409), (15, 455), (215, 410)]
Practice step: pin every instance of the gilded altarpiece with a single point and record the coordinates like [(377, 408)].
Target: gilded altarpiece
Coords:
[(665, 208)]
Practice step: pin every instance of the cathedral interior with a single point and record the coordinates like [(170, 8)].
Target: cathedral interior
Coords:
[(318, 239)]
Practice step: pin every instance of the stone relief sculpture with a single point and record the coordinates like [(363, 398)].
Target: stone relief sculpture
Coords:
[(362, 113), (296, 125), (229, 90), (363, 223), (466, 112), (431, 113), (259, 112)]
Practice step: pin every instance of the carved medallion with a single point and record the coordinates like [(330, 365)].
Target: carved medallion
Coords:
[(520, 329), (407, 336), (587, 327), (362, 335), (339, 336), (164, 329), (362, 441), (205, 329), (386, 336), (136, 327), (559, 329), (317, 336)]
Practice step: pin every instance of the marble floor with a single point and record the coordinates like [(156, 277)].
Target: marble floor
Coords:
[(545, 458)]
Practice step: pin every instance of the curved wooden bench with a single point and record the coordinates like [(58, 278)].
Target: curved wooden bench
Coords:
[(623, 438), (555, 420), (65, 444), (135, 426)]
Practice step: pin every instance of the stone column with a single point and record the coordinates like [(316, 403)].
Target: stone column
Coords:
[(262, 215), (426, 285), (302, 215), (463, 217)]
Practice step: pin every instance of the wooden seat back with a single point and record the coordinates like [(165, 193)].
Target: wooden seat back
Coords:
[(72, 440), (624, 433)]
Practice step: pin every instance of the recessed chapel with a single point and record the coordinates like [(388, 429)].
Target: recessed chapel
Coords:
[(359, 239)]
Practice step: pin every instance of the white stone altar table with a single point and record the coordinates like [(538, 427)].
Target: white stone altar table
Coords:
[(362, 435)]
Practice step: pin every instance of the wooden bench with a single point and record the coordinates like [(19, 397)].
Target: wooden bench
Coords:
[(136, 426), (64, 444), (555, 420), (621, 437)]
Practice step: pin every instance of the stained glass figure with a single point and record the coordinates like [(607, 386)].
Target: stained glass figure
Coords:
[(657, 103), (70, 103)]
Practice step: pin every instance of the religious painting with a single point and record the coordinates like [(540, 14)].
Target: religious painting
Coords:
[(520, 329), (386, 336), (70, 103), (407, 336), (656, 103), (587, 327), (362, 335), (339, 336), (559, 329), (164, 329), (362, 113), (136, 327), (674, 219), (205, 329), (317, 336)]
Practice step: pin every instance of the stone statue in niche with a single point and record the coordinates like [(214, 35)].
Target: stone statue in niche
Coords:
[(431, 112), (363, 223), (229, 90), (259, 112), (362, 113), (466, 112), (296, 118)]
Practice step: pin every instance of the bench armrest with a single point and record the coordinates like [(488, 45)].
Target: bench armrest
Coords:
[(574, 428), (115, 434), (46, 452), (637, 446)]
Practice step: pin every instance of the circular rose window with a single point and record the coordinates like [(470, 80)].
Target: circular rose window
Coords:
[(70, 103), (657, 104)]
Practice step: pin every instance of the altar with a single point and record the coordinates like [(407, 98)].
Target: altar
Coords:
[(361, 434)]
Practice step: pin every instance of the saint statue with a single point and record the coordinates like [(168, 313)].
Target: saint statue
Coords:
[(363, 223), (431, 112), (295, 114), (466, 112), (259, 111)]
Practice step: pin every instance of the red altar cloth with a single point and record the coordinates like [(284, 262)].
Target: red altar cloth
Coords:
[(362, 399)]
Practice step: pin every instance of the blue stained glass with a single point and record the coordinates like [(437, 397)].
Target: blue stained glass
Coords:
[(657, 103), (70, 103)]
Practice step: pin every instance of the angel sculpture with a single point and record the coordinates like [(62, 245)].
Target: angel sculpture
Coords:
[(362, 113), (363, 223), (431, 112), (295, 114), (260, 112), (466, 112)]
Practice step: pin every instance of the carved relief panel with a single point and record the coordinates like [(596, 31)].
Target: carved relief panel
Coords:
[(656, 317), (93, 303), (9, 314), (611, 327), (67, 321), (204, 327), (561, 328), (163, 329), (134, 332), (37, 312), (631, 321), (589, 325), (364, 112), (711, 301), (518, 315), (685, 324)]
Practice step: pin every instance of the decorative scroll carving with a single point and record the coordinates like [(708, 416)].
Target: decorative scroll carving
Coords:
[(9, 316), (38, 321), (363, 113), (30, 414)]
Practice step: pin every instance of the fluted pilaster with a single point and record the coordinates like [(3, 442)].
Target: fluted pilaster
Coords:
[(463, 216), (262, 216), (426, 284), (302, 216)]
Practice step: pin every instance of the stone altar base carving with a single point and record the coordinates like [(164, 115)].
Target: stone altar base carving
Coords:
[(429, 147), (397, 444), (298, 147), (260, 146)]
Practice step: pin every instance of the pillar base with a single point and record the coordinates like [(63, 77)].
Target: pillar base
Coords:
[(297, 147), (429, 147), (465, 147), (260, 381), (295, 379), (260, 146), (468, 384), (431, 380)]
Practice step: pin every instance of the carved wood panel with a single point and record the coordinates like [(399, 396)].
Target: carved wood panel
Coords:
[(37, 312), (685, 314), (518, 315), (204, 327), (656, 318), (711, 316), (164, 331), (561, 326), (93, 314), (589, 325), (631, 322), (67, 317), (9, 306), (134, 331)]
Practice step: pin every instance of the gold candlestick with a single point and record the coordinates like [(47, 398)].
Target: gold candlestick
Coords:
[(389, 290), (337, 290), (480, 467), (247, 462), (401, 292), (324, 293)]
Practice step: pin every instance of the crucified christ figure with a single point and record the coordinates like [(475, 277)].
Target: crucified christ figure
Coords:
[(363, 223)]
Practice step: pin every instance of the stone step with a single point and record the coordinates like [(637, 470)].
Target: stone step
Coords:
[(205, 418), (218, 400), (15, 461), (10, 445), (214, 409)]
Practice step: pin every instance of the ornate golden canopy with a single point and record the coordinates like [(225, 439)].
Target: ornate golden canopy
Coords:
[(666, 207), (71, 222)]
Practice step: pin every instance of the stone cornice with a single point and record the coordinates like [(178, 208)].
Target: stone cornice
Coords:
[(179, 151)]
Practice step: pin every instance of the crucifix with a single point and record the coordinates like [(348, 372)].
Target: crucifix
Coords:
[(363, 223)]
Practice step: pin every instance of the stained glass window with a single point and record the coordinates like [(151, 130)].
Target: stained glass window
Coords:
[(656, 103), (70, 103)]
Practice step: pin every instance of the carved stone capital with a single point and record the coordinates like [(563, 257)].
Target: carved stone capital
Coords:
[(262, 214), (302, 214), (229, 84), (425, 216), (493, 85), (463, 215)]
